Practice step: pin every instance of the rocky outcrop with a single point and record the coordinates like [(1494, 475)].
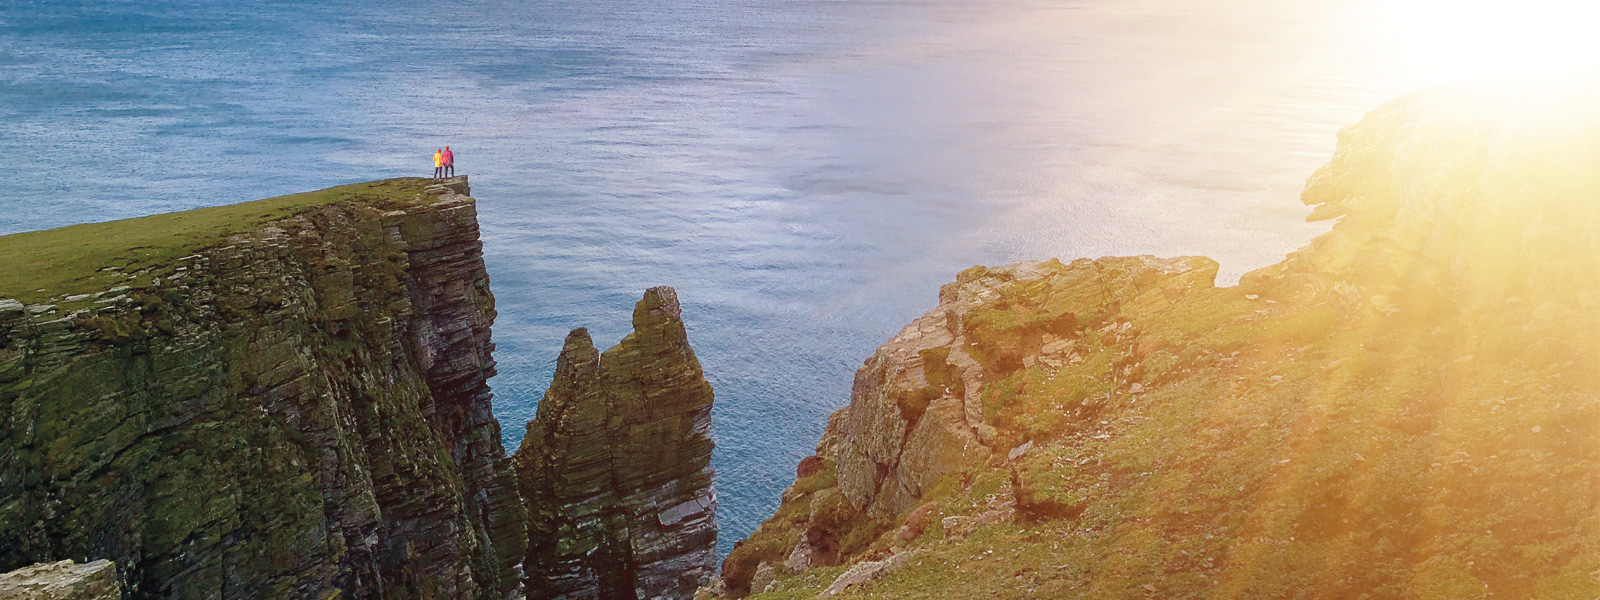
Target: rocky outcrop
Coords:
[(1403, 409), (299, 410), (922, 409), (616, 467), (864, 572), (916, 411), (64, 580)]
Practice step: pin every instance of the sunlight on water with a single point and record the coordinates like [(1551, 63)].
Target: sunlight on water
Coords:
[(807, 173)]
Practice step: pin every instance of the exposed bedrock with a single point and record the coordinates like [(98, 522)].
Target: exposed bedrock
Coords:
[(62, 580), (298, 411), (299, 408), (616, 467)]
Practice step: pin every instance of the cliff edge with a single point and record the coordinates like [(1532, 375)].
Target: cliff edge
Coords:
[(284, 397), (1406, 408)]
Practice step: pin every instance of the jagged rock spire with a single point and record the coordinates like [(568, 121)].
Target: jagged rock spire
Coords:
[(616, 466)]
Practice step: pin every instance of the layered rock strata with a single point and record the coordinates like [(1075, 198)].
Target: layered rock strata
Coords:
[(300, 410), (616, 467)]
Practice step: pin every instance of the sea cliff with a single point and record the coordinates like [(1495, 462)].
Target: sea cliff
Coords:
[(1406, 408), (299, 407), (289, 398)]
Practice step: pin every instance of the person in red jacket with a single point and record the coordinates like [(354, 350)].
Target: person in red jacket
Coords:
[(449, 162)]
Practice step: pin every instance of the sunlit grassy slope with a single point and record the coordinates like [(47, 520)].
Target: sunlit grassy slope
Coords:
[(71, 260), (1407, 408)]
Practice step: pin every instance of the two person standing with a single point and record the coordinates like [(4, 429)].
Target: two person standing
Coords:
[(444, 163)]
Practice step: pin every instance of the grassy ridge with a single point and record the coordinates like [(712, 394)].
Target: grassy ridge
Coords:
[(40, 265), (1253, 442), (1407, 409)]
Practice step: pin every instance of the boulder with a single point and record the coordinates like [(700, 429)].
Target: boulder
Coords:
[(64, 580)]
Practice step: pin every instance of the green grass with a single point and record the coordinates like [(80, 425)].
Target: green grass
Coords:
[(1409, 409), (1286, 446), (41, 265)]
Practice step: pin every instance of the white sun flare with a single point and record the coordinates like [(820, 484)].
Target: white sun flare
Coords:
[(1447, 40)]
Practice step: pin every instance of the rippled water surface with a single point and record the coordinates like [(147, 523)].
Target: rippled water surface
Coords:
[(805, 172)]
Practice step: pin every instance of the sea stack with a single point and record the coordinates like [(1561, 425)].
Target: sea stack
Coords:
[(616, 467)]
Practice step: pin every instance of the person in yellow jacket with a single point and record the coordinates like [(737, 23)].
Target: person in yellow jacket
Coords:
[(438, 164)]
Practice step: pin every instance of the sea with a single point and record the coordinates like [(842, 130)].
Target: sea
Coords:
[(806, 173)]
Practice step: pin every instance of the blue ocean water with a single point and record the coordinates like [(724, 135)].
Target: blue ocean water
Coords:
[(805, 172)]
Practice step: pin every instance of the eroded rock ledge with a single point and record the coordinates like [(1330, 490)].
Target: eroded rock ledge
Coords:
[(63, 580)]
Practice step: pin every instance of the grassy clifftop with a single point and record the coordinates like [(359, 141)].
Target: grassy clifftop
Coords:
[(78, 259), (297, 409), (1407, 408)]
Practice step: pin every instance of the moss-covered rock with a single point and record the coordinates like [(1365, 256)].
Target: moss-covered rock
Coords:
[(616, 467), (291, 403)]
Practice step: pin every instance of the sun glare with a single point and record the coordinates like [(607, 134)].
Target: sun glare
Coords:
[(1449, 40)]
